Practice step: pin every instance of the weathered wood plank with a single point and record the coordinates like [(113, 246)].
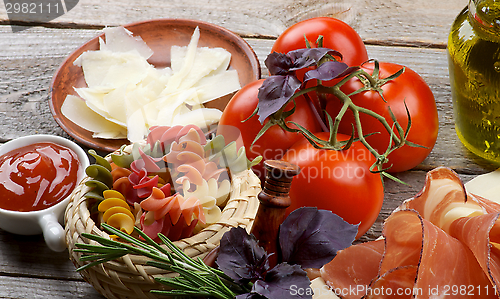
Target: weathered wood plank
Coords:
[(29, 269), (421, 23), (29, 256), (28, 61), (403, 22), (250, 18), (39, 288)]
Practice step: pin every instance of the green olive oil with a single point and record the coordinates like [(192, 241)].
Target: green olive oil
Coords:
[(474, 66)]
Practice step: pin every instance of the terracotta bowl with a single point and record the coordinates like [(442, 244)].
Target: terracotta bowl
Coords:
[(159, 35)]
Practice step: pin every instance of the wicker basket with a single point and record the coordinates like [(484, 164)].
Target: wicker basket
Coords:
[(130, 277)]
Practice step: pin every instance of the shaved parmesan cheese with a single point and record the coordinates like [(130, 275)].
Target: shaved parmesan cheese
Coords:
[(206, 62), (75, 109), (112, 69), (110, 135), (119, 39), (486, 185), (322, 290), (129, 95), (94, 100), (200, 117), (114, 101), (170, 105), (156, 80), (136, 125), (209, 88), (179, 73)]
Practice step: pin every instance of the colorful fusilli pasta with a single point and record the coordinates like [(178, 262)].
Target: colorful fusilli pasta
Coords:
[(135, 189)]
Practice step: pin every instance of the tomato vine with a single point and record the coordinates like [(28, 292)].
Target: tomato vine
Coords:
[(283, 87)]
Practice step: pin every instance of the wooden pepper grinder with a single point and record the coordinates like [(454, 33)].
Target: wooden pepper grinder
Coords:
[(274, 200)]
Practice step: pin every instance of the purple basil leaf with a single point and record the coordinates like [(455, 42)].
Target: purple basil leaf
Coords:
[(278, 63), (284, 281), (326, 71), (240, 256), (303, 58), (311, 238), (348, 71), (275, 93)]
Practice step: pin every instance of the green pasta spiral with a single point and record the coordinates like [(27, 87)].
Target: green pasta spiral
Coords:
[(100, 177)]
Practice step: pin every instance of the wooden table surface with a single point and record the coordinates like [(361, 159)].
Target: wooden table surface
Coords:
[(412, 33)]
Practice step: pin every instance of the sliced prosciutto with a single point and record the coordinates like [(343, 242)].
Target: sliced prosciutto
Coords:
[(443, 199), (482, 235), (442, 243), (352, 270), (470, 218), (419, 261), (395, 283), (437, 260), (488, 205)]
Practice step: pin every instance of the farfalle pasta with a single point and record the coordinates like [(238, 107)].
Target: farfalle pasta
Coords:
[(175, 182)]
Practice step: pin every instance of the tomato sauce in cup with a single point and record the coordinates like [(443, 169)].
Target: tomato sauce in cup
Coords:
[(37, 176)]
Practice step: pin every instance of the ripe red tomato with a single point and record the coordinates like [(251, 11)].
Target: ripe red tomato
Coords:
[(337, 35), (339, 181), (274, 143), (408, 88)]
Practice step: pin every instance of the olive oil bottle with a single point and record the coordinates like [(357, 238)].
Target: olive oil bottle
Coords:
[(474, 66)]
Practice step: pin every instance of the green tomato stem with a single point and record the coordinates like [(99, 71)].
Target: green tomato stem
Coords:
[(371, 83)]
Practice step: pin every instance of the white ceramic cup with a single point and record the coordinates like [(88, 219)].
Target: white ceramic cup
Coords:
[(47, 221)]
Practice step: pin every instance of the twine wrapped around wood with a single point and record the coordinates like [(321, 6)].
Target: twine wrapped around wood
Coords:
[(129, 276)]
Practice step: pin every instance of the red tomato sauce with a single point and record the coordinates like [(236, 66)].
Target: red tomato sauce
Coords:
[(37, 176)]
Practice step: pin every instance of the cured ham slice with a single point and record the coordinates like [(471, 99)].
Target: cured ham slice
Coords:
[(419, 260), (443, 199), (396, 283), (403, 241), (353, 269), (438, 261), (488, 205), (482, 235), (442, 243)]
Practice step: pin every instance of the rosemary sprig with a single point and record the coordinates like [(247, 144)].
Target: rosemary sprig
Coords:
[(195, 277)]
